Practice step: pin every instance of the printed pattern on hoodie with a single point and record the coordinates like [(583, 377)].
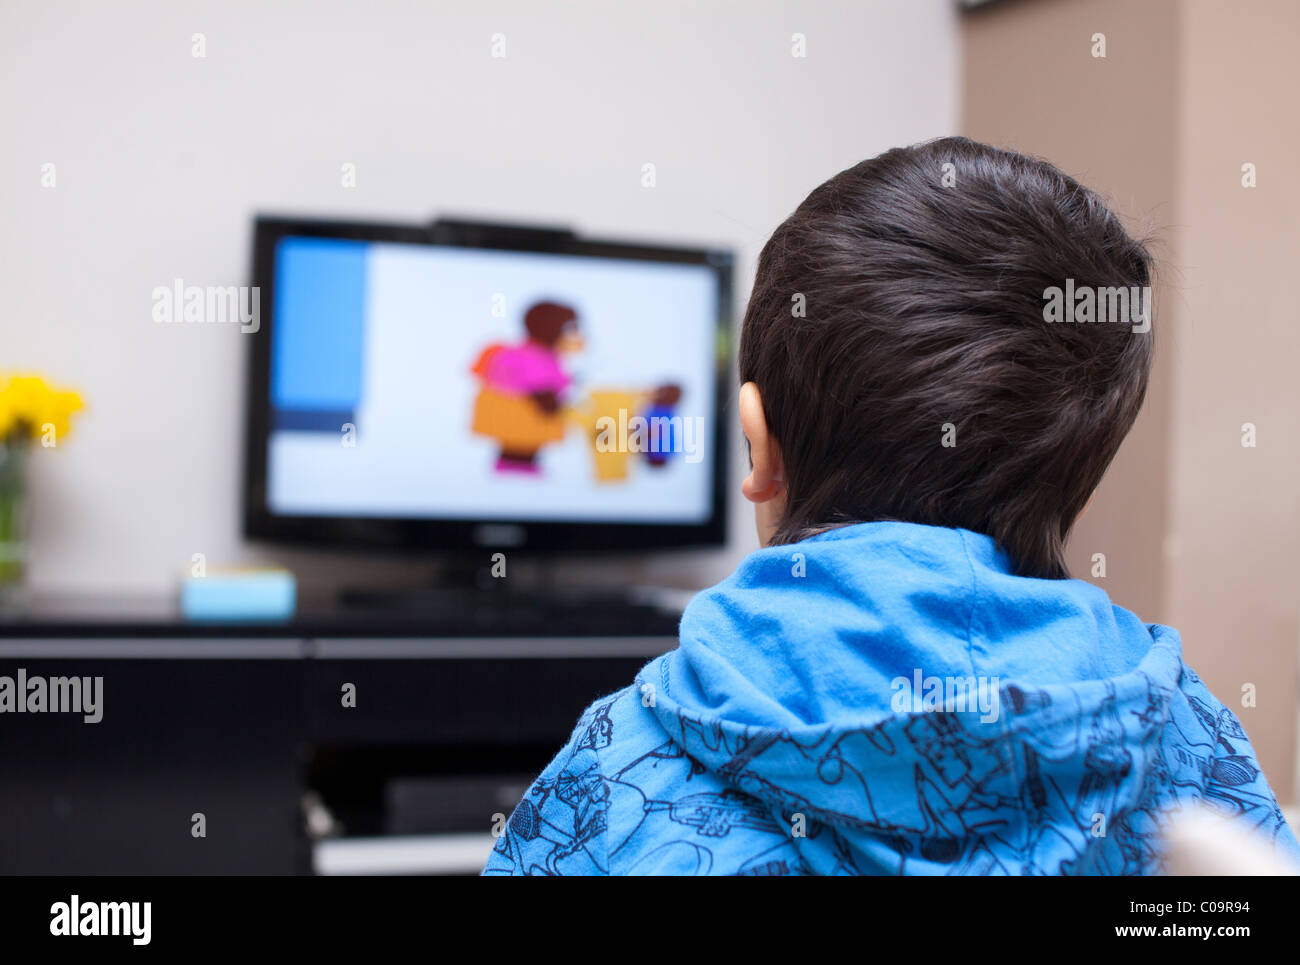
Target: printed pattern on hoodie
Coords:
[(767, 743), (672, 816)]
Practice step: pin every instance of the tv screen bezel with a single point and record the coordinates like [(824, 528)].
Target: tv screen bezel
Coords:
[(442, 535)]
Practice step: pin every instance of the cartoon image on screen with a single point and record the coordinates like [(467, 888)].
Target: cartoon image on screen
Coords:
[(417, 381), (522, 386), (663, 404), (524, 401)]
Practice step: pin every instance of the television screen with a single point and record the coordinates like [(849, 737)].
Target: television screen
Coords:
[(410, 380)]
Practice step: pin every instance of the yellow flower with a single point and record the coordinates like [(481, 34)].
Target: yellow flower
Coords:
[(32, 410)]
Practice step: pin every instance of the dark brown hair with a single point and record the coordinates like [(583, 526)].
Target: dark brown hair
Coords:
[(922, 277), (547, 321)]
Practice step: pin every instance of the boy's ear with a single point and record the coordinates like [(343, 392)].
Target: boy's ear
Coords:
[(767, 474)]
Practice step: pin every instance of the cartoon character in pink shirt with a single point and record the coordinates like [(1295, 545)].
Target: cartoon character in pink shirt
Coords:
[(522, 386)]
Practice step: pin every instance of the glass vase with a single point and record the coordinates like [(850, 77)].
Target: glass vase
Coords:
[(13, 524)]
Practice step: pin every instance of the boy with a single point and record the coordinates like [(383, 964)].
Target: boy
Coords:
[(904, 679)]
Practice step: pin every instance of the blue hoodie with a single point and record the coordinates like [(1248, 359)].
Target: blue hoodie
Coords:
[(887, 698)]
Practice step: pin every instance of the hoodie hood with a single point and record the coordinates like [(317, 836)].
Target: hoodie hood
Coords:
[(901, 701)]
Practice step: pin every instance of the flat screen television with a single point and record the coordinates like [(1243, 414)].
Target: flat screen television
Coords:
[(461, 384)]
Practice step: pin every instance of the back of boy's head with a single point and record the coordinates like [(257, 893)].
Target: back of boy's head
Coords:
[(897, 335)]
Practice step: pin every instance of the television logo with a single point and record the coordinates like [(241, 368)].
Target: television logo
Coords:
[(500, 534)]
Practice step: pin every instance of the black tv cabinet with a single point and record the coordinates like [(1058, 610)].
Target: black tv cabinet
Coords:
[(246, 726)]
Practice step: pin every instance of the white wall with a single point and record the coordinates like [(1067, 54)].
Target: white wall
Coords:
[(162, 158)]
